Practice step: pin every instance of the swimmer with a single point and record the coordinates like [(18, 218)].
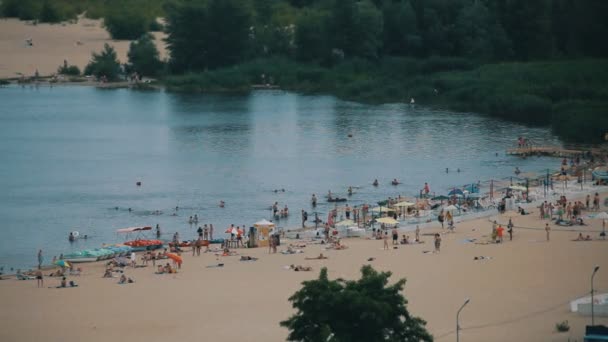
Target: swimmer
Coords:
[(375, 183), (517, 171), (222, 204), (350, 191)]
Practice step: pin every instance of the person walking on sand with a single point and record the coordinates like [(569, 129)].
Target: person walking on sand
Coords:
[(510, 229), (385, 241), (440, 218), (548, 230), (437, 242), (395, 236), (40, 258), (210, 232), (417, 233)]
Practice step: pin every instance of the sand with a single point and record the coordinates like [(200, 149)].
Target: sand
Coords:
[(52, 44), (517, 295)]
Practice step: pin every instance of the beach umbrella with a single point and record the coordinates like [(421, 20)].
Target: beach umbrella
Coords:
[(263, 223), (455, 192), (178, 259), (382, 209), (518, 187), (387, 220), (62, 263), (345, 223), (601, 216), (404, 204)]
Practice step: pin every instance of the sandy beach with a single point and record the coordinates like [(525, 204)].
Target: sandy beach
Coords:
[(52, 44), (519, 294)]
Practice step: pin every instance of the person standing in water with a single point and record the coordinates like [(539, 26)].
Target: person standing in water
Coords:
[(157, 231)]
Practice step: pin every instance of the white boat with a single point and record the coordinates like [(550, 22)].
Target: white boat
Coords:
[(598, 299)]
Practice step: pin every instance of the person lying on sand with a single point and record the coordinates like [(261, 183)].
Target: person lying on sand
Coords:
[(582, 238), (300, 268), (320, 257), (248, 258), (125, 280), (108, 273)]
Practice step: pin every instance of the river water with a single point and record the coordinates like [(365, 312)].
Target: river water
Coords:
[(70, 155)]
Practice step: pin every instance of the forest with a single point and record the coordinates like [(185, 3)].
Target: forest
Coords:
[(536, 61)]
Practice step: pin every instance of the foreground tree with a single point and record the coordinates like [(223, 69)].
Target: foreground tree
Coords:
[(345, 310), (104, 64), (143, 56)]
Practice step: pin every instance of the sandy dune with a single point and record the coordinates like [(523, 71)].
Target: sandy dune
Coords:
[(517, 295), (52, 44)]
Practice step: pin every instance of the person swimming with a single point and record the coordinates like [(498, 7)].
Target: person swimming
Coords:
[(375, 183), (395, 182), (350, 191), (222, 204), (517, 170)]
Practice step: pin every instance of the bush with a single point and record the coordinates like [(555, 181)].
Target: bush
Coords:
[(562, 326), (71, 70), (125, 24), (104, 64)]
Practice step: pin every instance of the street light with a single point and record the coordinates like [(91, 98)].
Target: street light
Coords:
[(466, 301), (592, 291)]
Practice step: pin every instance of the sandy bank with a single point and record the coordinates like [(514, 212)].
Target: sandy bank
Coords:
[(52, 44), (517, 295)]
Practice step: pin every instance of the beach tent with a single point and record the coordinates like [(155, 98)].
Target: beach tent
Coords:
[(387, 220), (263, 227), (382, 209), (345, 223), (404, 204)]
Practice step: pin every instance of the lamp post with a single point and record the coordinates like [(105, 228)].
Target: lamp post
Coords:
[(592, 291), (466, 301)]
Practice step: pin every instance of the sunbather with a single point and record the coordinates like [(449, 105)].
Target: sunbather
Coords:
[(320, 257), (301, 268), (248, 258)]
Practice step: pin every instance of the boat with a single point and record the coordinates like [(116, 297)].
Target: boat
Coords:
[(144, 245)]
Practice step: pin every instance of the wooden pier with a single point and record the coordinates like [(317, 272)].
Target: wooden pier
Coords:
[(544, 151)]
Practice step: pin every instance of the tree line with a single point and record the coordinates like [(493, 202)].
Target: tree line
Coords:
[(207, 34)]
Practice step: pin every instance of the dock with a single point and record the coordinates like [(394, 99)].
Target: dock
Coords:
[(544, 151)]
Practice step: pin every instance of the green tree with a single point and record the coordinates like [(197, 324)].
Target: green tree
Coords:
[(211, 36), (363, 310), (104, 64), (228, 36), (400, 33), (126, 24), (311, 36), (143, 56), (49, 13), (186, 40), (368, 29), (528, 26)]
